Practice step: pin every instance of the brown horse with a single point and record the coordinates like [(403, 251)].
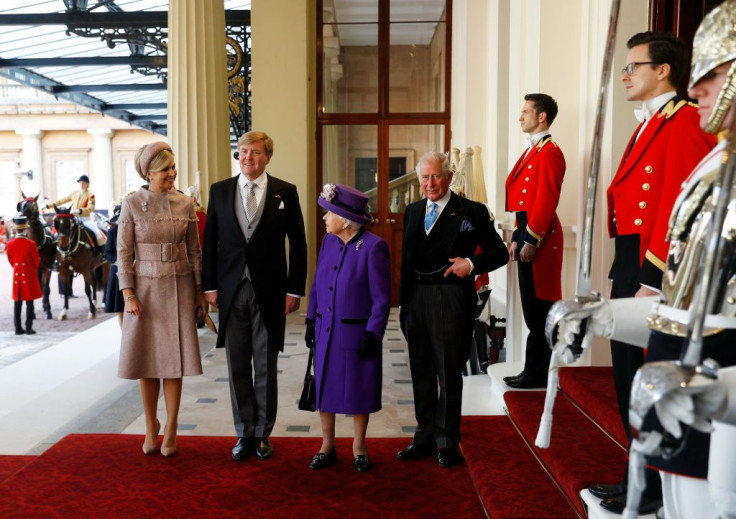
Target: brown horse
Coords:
[(75, 254), (41, 234)]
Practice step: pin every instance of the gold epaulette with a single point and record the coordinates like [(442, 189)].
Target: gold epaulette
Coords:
[(672, 107), (544, 141)]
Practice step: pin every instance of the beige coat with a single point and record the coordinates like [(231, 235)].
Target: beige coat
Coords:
[(159, 257)]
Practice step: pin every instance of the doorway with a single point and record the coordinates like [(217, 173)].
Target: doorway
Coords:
[(383, 99)]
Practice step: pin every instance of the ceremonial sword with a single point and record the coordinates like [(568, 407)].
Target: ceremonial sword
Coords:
[(583, 293)]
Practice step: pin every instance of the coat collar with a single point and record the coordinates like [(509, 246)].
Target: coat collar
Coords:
[(526, 157), (637, 147)]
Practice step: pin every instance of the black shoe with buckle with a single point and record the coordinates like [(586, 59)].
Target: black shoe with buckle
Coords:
[(322, 460), (264, 450), (361, 463)]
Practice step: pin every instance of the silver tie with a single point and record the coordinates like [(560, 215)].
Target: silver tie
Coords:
[(250, 201)]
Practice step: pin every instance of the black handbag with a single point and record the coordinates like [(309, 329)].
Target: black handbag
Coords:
[(308, 400)]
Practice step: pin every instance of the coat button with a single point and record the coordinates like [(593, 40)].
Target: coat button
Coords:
[(523, 190), (330, 289), (637, 222), (521, 203), (649, 169), (529, 166), (334, 268), (645, 186), (642, 205), (526, 179), (327, 329), (614, 219)]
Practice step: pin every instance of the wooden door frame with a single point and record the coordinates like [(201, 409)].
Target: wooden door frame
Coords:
[(383, 119)]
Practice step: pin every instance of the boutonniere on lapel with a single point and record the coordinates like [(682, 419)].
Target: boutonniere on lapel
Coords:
[(466, 226), (358, 244), (281, 202)]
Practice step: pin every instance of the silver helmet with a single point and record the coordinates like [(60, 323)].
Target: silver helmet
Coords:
[(715, 44)]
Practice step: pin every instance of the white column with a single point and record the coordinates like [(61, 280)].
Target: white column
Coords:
[(198, 130), (32, 159), (101, 180)]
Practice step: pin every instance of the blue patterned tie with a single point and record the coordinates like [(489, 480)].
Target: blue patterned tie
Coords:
[(431, 216)]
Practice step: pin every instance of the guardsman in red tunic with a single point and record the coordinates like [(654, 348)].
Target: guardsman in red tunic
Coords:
[(193, 193), (665, 147), (532, 192), (23, 256)]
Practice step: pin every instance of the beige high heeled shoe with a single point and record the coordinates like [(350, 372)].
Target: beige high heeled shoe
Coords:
[(168, 451), (148, 449)]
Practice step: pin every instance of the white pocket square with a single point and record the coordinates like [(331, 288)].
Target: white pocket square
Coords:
[(281, 204)]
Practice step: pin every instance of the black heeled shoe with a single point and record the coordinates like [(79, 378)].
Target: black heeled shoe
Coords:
[(322, 460), (361, 463)]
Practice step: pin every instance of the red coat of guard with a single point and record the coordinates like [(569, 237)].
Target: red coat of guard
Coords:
[(534, 186), (23, 256)]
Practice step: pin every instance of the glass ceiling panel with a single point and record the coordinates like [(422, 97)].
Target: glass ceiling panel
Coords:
[(51, 41)]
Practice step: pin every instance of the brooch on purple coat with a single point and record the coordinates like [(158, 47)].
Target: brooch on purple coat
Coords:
[(357, 245)]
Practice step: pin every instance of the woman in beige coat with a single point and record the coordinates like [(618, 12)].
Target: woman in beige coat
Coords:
[(159, 269)]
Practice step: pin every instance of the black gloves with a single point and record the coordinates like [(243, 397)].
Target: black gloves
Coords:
[(309, 334), (370, 347)]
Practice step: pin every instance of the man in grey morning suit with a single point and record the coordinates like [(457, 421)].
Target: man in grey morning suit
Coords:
[(245, 273), (437, 295)]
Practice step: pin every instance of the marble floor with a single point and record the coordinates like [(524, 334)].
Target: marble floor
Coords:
[(53, 384)]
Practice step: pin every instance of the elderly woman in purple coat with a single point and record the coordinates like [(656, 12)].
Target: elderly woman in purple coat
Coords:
[(348, 311)]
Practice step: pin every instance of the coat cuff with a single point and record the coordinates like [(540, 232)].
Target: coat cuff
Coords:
[(650, 274), (532, 238)]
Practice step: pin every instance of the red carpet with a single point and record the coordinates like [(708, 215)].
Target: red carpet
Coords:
[(508, 478), (592, 389), (108, 476), (9, 465), (580, 454)]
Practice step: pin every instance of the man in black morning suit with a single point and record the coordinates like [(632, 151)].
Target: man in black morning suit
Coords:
[(245, 273), (437, 297)]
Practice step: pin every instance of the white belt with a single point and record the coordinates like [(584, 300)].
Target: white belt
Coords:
[(683, 317)]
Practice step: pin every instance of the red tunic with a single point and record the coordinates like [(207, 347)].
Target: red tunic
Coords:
[(201, 220), (23, 256), (534, 186), (648, 180)]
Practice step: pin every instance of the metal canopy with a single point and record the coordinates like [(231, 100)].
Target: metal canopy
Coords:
[(110, 55)]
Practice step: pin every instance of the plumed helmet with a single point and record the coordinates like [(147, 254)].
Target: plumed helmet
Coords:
[(715, 44)]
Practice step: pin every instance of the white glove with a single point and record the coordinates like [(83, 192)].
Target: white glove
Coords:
[(599, 323), (694, 405)]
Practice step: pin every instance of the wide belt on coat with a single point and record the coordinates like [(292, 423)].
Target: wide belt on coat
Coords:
[(164, 252)]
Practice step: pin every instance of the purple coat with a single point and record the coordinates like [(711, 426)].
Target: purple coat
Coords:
[(351, 294)]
